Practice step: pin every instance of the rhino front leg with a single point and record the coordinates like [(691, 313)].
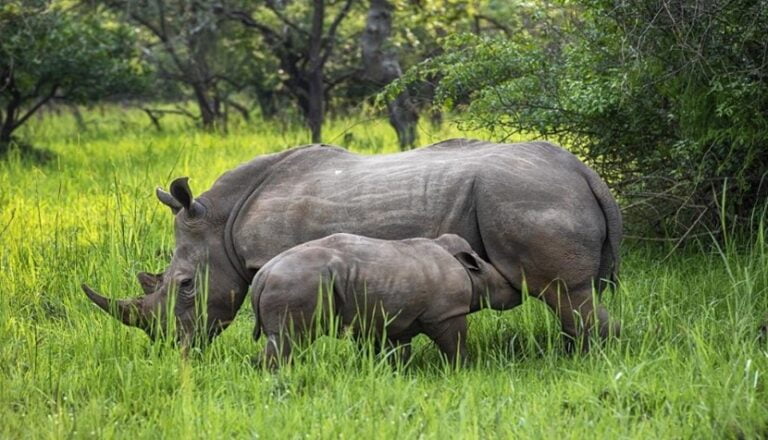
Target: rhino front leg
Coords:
[(451, 337)]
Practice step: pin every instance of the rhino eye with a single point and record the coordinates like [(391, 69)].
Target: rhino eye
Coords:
[(186, 284)]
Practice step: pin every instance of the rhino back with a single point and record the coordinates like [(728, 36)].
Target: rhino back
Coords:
[(507, 200)]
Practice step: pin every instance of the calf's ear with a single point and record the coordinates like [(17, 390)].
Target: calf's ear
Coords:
[(468, 260)]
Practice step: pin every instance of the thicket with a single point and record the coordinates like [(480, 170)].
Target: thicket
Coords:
[(668, 100), (49, 53)]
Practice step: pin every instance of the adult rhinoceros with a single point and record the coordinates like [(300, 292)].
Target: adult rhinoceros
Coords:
[(537, 213)]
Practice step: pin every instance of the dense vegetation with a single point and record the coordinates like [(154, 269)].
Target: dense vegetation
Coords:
[(690, 364), (667, 100)]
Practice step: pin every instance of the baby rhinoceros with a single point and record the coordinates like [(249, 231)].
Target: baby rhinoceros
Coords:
[(388, 290)]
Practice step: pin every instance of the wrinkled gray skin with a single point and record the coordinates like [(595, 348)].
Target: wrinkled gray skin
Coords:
[(397, 288), (533, 210)]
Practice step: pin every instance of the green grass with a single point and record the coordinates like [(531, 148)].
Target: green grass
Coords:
[(689, 364)]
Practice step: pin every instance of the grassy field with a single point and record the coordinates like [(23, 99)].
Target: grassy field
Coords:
[(689, 365)]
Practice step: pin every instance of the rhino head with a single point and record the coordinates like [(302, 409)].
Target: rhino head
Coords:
[(201, 289)]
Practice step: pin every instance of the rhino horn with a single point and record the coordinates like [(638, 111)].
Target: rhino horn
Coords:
[(168, 200), (129, 312), (181, 192)]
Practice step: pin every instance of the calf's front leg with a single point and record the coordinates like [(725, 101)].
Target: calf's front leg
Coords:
[(451, 337)]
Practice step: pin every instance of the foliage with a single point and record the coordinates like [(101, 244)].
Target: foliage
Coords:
[(420, 25), (668, 100), (306, 40), (50, 53), (689, 364), (191, 52)]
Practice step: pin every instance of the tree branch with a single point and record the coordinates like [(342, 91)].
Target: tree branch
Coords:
[(161, 32), (271, 6), (246, 20), (240, 108), (228, 80), (331, 84), (35, 107), (497, 24), (327, 45), (182, 111)]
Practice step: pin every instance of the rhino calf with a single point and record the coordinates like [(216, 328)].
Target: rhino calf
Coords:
[(391, 290)]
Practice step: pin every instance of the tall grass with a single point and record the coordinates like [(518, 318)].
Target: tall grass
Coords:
[(689, 364)]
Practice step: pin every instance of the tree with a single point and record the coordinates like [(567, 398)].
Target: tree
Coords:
[(303, 40), (48, 53), (381, 67), (186, 45)]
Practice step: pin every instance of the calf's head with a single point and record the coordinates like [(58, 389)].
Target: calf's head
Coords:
[(489, 287), (201, 290)]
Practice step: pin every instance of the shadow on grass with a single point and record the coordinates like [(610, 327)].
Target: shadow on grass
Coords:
[(26, 152)]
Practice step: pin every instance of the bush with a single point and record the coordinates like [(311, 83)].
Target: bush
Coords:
[(48, 53), (667, 100)]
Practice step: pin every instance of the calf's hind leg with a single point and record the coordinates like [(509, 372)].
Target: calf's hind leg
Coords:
[(281, 334), (399, 351), (451, 336)]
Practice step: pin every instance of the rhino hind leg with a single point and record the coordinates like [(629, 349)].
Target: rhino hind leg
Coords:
[(580, 316), (559, 267), (277, 352), (451, 337)]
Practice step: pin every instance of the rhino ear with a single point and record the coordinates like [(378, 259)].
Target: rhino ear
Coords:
[(149, 281), (468, 260), (181, 192), (167, 199)]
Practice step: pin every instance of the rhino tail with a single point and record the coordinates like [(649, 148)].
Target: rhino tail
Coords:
[(610, 259), (257, 288)]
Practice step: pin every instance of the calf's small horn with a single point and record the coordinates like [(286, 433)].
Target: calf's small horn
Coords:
[(126, 311)]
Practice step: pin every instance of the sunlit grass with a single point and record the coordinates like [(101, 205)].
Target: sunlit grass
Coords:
[(689, 364)]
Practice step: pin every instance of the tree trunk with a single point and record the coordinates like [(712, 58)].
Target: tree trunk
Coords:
[(316, 86), (81, 125), (207, 111), (267, 105), (403, 117), (382, 67), (5, 140), (316, 105), (198, 73), (7, 125)]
